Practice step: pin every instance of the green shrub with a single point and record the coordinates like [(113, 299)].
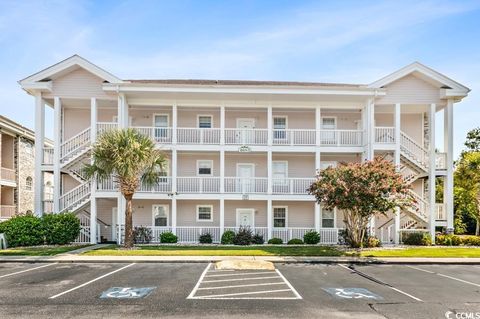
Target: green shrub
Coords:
[(275, 241), (295, 241), (448, 240), (417, 239), (372, 242), (243, 236), (227, 237), (311, 237), (23, 230), (142, 235), (168, 238), (60, 229), (258, 239), (471, 240), (205, 238)]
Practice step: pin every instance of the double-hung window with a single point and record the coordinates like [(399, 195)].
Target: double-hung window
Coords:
[(205, 121), (160, 215), (204, 168), (280, 217), (280, 172), (204, 213), (328, 218), (329, 125), (279, 127)]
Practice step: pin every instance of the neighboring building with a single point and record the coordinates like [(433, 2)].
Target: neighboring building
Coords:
[(17, 174), (244, 152)]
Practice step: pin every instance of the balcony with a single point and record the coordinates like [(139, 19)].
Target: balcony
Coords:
[(384, 135), (7, 211), (7, 175), (47, 156), (441, 161)]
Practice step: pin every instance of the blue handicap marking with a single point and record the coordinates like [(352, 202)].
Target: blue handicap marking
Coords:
[(127, 292), (352, 293)]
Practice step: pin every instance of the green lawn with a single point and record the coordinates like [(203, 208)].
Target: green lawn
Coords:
[(39, 251), (433, 252), (218, 251)]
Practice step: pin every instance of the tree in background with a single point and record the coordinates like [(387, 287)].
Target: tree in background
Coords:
[(361, 190), (132, 159)]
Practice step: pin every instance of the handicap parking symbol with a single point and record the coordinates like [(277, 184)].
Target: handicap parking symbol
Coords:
[(126, 292), (352, 293)]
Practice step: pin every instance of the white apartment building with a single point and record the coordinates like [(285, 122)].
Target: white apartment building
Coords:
[(242, 153)]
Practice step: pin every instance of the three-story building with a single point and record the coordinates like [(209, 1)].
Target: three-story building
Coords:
[(243, 153)]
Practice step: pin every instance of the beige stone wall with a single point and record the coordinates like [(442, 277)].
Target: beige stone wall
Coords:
[(25, 169)]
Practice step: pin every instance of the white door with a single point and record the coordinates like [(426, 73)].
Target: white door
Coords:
[(114, 223), (245, 217), (160, 215), (246, 174), (161, 126), (246, 135)]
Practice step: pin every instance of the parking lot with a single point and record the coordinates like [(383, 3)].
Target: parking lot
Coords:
[(136, 290)]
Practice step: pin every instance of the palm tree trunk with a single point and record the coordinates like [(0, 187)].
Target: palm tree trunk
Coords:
[(477, 227), (128, 222)]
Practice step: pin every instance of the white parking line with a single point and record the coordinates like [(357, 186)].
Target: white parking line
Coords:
[(30, 269), (241, 286), (244, 293), (446, 276), (239, 279), (288, 284), (89, 282), (241, 274), (199, 282)]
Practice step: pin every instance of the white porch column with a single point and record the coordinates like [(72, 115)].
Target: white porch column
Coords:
[(269, 172), (39, 142), (317, 160), (270, 124), (317, 217), (369, 126), (93, 188), (222, 171), (122, 111), (397, 117), (431, 171), (222, 125), (269, 219), (174, 215), (318, 125), (174, 123), (448, 148), (57, 140), (173, 166), (222, 216)]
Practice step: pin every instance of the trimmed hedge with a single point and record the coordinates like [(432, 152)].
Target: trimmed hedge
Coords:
[(168, 238), (205, 238), (311, 237), (227, 237), (275, 241), (295, 241), (51, 229), (417, 239), (455, 240)]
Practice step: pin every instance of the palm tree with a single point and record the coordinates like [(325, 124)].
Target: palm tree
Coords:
[(131, 159)]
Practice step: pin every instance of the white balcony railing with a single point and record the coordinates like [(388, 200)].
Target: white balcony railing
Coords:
[(413, 150), (384, 135), (341, 137), (440, 211), (74, 197), (198, 136), (7, 211), (75, 144), (441, 161), (246, 185), (158, 134), (47, 156), (103, 127), (7, 174), (291, 185), (240, 136), (198, 184), (294, 137), (164, 185)]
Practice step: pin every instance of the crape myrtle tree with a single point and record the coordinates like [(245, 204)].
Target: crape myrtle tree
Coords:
[(132, 159), (361, 190)]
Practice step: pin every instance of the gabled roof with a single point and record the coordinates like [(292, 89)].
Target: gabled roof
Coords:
[(65, 66), (425, 73)]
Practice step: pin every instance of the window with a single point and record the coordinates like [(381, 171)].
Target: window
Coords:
[(160, 215), (279, 217), (324, 165), (279, 127), (328, 218), (28, 183), (164, 172), (205, 121), (204, 213), (204, 167), (48, 191), (280, 172), (329, 123), (160, 122)]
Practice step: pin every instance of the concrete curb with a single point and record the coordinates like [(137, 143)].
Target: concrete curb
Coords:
[(66, 258)]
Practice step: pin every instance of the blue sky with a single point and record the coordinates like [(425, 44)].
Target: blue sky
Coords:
[(335, 41)]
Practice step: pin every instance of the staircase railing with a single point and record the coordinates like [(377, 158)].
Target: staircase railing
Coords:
[(420, 206), (75, 197), (413, 150), (75, 144)]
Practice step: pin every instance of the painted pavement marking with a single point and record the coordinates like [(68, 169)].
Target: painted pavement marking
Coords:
[(443, 275), (30, 269)]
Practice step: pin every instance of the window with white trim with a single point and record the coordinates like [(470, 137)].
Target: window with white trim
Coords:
[(329, 123), (160, 215), (280, 217), (328, 218), (279, 172), (204, 167), (204, 213), (279, 127), (205, 121), (28, 183), (327, 164)]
